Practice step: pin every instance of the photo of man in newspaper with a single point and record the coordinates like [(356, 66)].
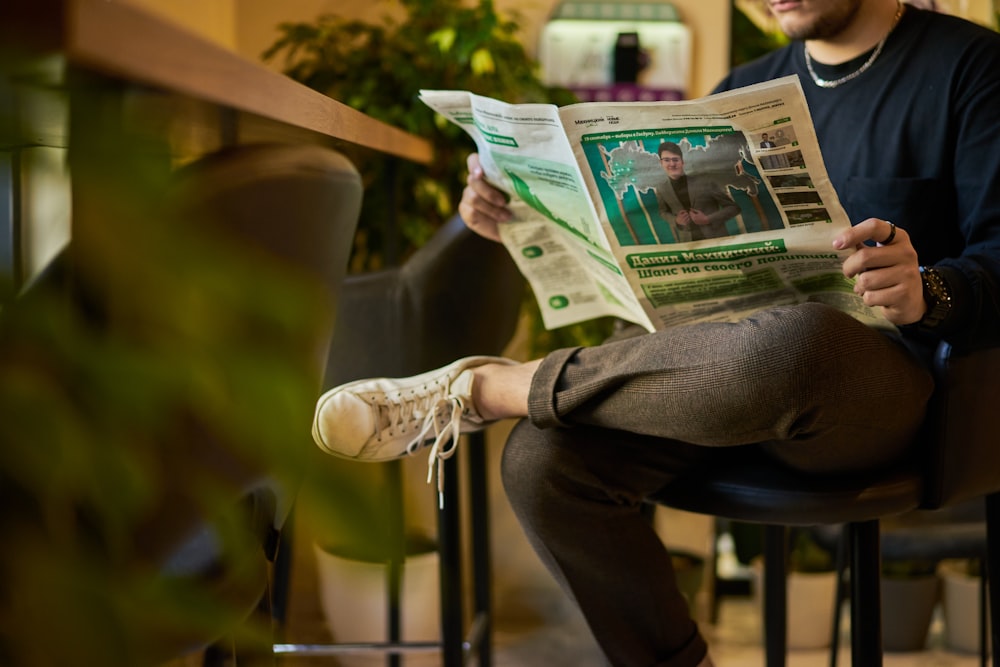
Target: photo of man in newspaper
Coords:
[(681, 186), (697, 207)]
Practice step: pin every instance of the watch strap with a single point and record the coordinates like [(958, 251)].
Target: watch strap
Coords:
[(937, 296)]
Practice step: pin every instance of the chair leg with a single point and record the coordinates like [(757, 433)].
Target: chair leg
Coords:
[(218, 654), (244, 648), (843, 548), (481, 563), (992, 568), (449, 545), (775, 596), (394, 567), (283, 574), (984, 575), (866, 596)]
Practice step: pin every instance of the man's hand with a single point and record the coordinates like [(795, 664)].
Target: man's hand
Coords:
[(483, 207), (683, 218), (886, 275)]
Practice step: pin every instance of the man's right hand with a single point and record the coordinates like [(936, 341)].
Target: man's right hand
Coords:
[(483, 207)]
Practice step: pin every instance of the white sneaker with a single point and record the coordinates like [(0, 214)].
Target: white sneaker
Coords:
[(388, 418)]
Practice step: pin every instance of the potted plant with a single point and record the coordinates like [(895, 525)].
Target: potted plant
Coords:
[(910, 591), (379, 68), (812, 591), (961, 592)]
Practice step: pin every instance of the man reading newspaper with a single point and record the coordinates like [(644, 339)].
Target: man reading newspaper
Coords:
[(904, 102)]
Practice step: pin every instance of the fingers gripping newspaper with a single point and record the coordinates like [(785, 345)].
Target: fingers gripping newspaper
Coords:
[(664, 213)]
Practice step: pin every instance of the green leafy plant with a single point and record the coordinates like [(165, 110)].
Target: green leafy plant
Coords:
[(379, 68), (908, 569), (754, 32), (141, 393), (969, 567), (807, 555)]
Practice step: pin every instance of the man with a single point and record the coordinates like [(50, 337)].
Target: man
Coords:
[(696, 207), (765, 141), (904, 102)]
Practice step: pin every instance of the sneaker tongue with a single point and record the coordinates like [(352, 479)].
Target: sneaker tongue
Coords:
[(400, 414), (462, 385)]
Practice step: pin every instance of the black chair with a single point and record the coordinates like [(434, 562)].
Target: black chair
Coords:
[(925, 536), (458, 295), (955, 460)]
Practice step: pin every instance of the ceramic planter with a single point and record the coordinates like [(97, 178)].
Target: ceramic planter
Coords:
[(961, 606), (354, 600), (811, 596), (907, 608)]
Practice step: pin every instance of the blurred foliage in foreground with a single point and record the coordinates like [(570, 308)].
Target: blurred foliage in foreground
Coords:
[(148, 380)]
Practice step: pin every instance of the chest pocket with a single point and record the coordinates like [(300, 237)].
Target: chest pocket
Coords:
[(925, 207)]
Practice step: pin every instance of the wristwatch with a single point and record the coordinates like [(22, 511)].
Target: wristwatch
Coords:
[(937, 296)]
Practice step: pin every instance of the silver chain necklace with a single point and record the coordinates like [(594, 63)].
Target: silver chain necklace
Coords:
[(825, 83)]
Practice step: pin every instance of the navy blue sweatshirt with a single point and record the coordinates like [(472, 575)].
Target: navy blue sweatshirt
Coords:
[(916, 140)]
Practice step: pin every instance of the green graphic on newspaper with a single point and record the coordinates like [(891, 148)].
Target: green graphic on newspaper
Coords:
[(544, 185)]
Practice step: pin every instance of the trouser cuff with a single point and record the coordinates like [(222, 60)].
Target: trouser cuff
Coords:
[(541, 396)]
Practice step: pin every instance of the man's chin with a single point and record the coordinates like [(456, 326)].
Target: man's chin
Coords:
[(794, 18)]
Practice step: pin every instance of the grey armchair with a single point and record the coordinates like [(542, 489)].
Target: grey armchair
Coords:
[(282, 214), (292, 209), (458, 295)]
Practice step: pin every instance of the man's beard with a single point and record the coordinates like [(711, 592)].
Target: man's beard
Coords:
[(830, 24)]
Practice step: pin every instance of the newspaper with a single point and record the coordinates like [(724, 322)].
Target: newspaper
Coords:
[(664, 213)]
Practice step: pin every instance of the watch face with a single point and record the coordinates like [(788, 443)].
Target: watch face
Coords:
[(936, 295)]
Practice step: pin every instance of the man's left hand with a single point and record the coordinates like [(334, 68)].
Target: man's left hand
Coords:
[(886, 275)]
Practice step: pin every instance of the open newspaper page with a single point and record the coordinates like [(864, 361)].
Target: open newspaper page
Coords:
[(707, 210), (716, 207), (555, 236)]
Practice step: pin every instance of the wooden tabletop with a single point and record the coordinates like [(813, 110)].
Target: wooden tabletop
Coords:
[(49, 37)]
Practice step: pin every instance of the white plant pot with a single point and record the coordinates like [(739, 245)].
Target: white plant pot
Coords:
[(354, 601), (960, 599), (907, 607), (811, 596)]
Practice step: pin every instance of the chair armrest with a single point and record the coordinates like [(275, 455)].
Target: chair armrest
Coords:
[(458, 295), (465, 292), (962, 434)]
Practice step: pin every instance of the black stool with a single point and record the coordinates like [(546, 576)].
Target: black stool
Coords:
[(956, 458)]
